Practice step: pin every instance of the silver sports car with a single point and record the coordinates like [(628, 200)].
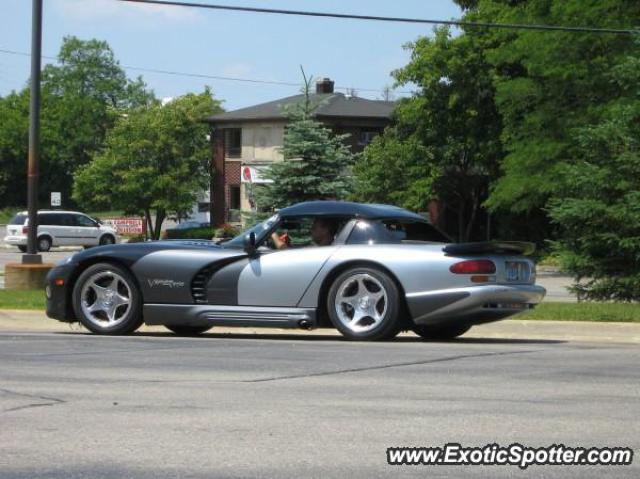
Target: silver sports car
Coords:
[(368, 270)]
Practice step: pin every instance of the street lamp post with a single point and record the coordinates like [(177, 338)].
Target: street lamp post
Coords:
[(32, 256)]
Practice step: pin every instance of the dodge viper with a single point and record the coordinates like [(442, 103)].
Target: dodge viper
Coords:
[(382, 270)]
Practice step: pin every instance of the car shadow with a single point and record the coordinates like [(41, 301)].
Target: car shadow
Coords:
[(328, 337)]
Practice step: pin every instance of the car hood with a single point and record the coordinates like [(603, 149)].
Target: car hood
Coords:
[(129, 253)]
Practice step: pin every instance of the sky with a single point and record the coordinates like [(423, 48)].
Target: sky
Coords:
[(355, 54)]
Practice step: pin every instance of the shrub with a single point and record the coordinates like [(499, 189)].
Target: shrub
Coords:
[(194, 233), (136, 239), (226, 231)]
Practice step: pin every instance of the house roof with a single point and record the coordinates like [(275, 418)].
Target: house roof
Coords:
[(336, 105), (346, 208)]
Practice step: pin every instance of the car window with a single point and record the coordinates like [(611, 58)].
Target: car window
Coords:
[(18, 220), (66, 220), (394, 231), (259, 230), (48, 219), (82, 220), (299, 232)]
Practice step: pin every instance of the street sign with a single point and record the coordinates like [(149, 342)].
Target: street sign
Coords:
[(254, 174), (56, 198)]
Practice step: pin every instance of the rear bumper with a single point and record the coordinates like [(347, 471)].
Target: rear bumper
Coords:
[(16, 240), (474, 305)]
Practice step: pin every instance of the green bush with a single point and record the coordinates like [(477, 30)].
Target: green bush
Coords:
[(195, 233), (136, 238), (7, 213)]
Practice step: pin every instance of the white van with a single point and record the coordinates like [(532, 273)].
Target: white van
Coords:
[(60, 228)]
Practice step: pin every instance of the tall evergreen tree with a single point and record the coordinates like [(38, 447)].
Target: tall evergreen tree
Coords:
[(598, 209), (316, 163)]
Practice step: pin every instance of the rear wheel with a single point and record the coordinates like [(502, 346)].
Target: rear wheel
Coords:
[(187, 330), (22, 248), (44, 243), (106, 300), (364, 304), (450, 331)]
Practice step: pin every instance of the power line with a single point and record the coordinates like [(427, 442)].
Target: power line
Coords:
[(344, 16), (211, 77)]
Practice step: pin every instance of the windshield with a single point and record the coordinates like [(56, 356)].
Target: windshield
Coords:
[(18, 220), (259, 229)]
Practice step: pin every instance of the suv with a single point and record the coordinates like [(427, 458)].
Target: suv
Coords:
[(60, 228)]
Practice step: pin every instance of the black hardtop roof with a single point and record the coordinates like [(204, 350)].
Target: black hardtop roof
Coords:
[(347, 208)]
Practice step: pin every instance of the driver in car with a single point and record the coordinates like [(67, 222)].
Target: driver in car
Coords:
[(323, 231)]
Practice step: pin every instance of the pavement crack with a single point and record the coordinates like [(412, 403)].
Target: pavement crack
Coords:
[(389, 366), (51, 401)]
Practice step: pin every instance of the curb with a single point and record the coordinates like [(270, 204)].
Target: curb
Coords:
[(507, 330)]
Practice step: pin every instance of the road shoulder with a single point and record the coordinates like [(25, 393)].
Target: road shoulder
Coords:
[(510, 329)]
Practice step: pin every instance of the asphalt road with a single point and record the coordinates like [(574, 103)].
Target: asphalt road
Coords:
[(155, 406)]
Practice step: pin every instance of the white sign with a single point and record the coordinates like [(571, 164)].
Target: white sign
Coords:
[(126, 225), (254, 174), (56, 198)]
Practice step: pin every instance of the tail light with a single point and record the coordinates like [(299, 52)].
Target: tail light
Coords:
[(474, 266), (25, 230)]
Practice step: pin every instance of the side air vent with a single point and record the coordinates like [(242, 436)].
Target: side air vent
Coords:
[(199, 286)]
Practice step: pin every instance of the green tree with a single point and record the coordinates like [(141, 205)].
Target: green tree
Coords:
[(598, 208), (445, 144), (397, 171), (82, 97), (549, 85), (155, 161), (14, 142), (316, 162)]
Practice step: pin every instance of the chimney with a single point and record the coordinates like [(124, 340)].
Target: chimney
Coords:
[(324, 85)]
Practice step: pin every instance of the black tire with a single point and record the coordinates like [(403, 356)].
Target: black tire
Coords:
[(187, 329), (44, 244), (22, 248), (106, 240), (450, 331), (387, 308), (127, 317)]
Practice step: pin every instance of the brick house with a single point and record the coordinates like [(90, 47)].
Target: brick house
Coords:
[(247, 140)]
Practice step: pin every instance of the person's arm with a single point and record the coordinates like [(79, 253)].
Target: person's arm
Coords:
[(280, 242)]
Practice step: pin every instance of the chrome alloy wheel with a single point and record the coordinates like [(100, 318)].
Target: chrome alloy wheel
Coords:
[(361, 302), (106, 299)]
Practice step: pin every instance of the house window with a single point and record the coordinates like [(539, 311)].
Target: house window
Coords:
[(234, 197), (366, 137), (233, 142)]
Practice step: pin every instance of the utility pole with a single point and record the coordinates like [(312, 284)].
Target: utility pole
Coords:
[(32, 256)]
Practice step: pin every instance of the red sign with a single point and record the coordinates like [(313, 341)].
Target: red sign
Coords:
[(126, 225)]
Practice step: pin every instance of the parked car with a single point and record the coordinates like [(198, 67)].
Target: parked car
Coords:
[(382, 270), (60, 228)]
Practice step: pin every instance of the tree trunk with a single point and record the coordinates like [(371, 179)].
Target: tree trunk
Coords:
[(147, 214), (160, 216), (461, 205), (472, 215)]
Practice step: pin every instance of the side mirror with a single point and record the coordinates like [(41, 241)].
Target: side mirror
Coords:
[(250, 244)]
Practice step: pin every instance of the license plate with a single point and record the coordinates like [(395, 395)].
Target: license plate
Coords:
[(517, 271)]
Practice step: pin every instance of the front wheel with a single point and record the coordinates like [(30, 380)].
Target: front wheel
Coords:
[(107, 240), (187, 330), (106, 300), (23, 249), (450, 331), (364, 304)]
